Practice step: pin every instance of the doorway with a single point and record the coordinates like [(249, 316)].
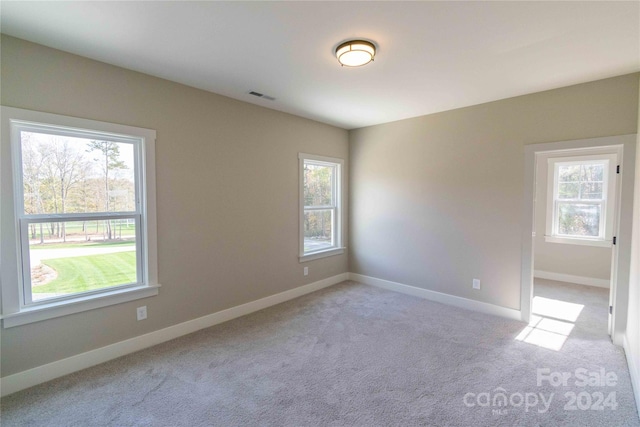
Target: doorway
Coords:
[(569, 227)]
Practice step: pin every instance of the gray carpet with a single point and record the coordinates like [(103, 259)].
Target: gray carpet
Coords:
[(347, 355)]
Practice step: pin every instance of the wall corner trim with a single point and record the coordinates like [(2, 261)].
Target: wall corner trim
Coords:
[(587, 281), (41, 374), (633, 372), (453, 300)]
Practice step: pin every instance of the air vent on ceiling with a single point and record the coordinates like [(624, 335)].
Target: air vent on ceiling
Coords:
[(261, 95)]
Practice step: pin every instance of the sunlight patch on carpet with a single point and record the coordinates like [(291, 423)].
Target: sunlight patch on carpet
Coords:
[(551, 323), (561, 310)]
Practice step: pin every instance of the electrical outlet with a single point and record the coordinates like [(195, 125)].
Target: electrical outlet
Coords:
[(306, 271), (476, 283), (142, 312)]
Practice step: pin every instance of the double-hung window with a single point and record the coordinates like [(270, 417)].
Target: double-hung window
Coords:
[(320, 206), (580, 199), (81, 211)]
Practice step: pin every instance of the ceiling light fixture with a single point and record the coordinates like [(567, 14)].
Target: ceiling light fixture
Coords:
[(355, 53)]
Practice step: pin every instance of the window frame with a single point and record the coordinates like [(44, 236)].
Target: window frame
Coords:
[(335, 207), (18, 308), (605, 237)]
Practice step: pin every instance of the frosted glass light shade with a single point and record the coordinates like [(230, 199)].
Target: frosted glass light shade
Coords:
[(355, 53)]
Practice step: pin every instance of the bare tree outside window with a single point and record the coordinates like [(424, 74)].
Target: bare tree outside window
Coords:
[(109, 161)]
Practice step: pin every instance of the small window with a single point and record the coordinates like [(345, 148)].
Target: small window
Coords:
[(84, 214), (320, 206), (580, 200)]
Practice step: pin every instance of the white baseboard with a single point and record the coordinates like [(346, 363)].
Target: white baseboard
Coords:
[(465, 303), (588, 281), (633, 372), (29, 378)]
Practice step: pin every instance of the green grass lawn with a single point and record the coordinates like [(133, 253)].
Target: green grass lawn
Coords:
[(85, 273)]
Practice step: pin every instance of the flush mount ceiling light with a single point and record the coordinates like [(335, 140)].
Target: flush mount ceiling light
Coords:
[(355, 53)]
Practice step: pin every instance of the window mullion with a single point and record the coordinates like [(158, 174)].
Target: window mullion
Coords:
[(319, 207), (140, 254), (80, 217), (99, 216), (603, 218), (25, 262), (581, 201)]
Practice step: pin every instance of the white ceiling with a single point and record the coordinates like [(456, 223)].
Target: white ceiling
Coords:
[(433, 56)]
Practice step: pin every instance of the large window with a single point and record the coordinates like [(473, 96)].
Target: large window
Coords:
[(320, 206), (81, 207), (581, 196)]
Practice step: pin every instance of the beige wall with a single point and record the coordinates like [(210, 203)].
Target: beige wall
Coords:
[(438, 200), (632, 345), (576, 260), (227, 195)]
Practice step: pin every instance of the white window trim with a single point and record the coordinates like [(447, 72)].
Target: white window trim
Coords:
[(24, 220), (337, 249), (14, 312), (606, 237)]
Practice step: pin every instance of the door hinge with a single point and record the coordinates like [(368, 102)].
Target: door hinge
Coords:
[(618, 169), (610, 309), (614, 239)]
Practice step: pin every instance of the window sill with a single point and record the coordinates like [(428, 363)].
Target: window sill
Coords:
[(77, 305), (578, 241), (322, 254)]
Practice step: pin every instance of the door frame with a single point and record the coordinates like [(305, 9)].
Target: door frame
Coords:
[(622, 228)]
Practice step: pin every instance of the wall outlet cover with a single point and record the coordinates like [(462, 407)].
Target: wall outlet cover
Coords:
[(141, 312)]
